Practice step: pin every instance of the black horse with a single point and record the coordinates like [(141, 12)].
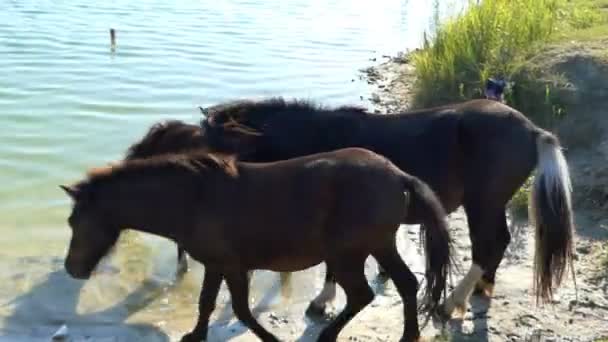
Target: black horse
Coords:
[(476, 154)]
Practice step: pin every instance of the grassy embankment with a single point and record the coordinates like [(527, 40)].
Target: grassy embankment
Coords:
[(498, 38)]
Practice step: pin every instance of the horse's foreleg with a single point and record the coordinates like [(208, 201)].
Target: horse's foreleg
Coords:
[(318, 305), (238, 285), (206, 305)]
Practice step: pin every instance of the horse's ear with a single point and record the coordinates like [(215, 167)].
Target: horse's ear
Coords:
[(71, 190)]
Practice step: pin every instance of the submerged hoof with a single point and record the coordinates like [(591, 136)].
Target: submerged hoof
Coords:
[(414, 339), (190, 337), (382, 276), (317, 311), (441, 314)]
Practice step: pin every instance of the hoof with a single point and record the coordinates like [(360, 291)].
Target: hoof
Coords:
[(441, 314), (484, 288), (382, 276), (317, 311), (414, 339), (457, 311), (190, 337)]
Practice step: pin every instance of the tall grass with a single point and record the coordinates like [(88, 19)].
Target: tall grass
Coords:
[(491, 39)]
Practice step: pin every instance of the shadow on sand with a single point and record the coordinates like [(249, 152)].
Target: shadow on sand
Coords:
[(37, 314)]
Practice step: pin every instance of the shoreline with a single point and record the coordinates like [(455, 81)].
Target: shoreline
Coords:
[(512, 314)]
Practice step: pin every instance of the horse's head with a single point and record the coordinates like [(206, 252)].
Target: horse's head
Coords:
[(92, 238), (234, 128)]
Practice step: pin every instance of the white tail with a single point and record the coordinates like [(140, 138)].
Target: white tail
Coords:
[(551, 213)]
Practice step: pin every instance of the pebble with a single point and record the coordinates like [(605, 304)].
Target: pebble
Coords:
[(584, 249), (61, 334)]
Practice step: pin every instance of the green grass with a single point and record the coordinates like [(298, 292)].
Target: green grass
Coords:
[(497, 38), (519, 202)]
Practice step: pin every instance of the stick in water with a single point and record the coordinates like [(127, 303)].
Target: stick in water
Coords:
[(113, 38)]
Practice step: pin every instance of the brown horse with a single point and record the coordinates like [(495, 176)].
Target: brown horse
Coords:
[(168, 137), (475, 154), (338, 207)]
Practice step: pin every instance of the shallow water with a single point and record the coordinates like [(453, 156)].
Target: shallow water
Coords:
[(68, 102)]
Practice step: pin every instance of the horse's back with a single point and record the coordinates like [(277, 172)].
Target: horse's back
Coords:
[(354, 179), (309, 205), (368, 188)]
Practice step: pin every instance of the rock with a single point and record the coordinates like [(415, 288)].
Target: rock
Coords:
[(61, 334), (584, 249)]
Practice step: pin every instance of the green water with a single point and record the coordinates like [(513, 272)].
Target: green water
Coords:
[(67, 102)]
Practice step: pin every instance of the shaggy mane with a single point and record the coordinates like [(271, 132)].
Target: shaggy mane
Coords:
[(166, 137), (239, 110), (191, 164)]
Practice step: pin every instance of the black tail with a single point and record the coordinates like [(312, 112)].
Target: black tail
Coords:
[(437, 242)]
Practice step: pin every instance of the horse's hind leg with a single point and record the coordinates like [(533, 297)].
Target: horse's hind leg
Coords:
[(349, 273), (206, 305), (485, 285), (318, 305), (407, 285), (238, 285), (488, 243)]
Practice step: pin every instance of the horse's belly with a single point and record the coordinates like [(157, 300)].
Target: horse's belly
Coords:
[(292, 263)]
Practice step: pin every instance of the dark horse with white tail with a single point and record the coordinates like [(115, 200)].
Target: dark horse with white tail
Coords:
[(476, 154), (336, 207)]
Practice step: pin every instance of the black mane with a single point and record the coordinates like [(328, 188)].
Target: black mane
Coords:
[(242, 109), (191, 164), (171, 136)]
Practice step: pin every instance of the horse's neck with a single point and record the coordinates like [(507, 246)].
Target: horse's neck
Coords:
[(155, 209)]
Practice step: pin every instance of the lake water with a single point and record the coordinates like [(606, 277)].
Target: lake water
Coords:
[(67, 102)]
